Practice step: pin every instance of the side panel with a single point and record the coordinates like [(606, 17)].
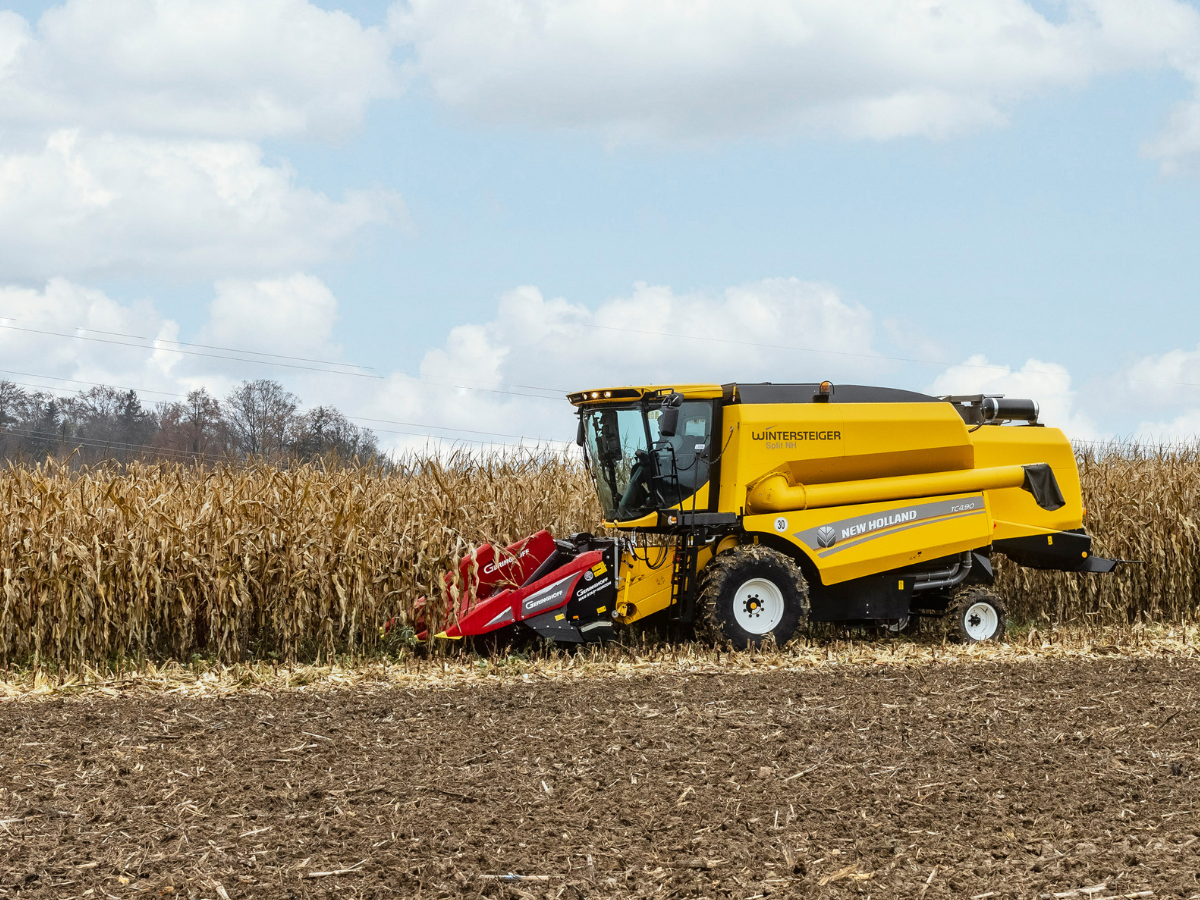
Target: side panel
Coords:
[(644, 591), (887, 596), (772, 436), (820, 443), (889, 439), (846, 542), (1016, 511)]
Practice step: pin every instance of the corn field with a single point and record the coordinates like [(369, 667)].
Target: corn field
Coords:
[(159, 561), (163, 561), (1143, 503)]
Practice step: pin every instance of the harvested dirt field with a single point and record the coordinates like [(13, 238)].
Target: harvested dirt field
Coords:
[(1068, 778)]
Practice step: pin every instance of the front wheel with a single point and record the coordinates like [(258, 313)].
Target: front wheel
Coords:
[(752, 593), (978, 614)]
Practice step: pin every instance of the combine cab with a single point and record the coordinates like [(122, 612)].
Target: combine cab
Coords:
[(772, 504)]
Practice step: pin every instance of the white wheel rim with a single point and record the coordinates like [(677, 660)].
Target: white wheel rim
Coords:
[(980, 621), (758, 606), (899, 626)]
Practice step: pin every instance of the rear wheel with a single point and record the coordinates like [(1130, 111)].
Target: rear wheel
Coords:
[(750, 594), (978, 614)]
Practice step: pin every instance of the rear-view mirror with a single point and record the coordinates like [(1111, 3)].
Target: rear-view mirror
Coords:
[(668, 422)]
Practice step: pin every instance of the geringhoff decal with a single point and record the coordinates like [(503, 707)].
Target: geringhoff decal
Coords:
[(547, 596), (834, 536), (504, 563), (592, 588)]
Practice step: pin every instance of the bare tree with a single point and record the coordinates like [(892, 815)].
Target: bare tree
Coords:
[(195, 426), (14, 409), (261, 417), (14, 404), (325, 431)]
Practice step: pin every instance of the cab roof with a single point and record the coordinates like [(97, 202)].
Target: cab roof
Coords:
[(761, 392), (628, 393)]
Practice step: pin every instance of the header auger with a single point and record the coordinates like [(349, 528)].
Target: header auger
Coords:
[(772, 504)]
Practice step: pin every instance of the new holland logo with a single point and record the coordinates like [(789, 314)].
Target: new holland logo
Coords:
[(885, 521), (826, 536)]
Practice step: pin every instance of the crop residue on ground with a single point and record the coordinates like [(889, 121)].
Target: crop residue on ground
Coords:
[(997, 776)]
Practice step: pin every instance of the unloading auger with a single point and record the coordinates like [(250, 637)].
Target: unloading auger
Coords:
[(744, 509)]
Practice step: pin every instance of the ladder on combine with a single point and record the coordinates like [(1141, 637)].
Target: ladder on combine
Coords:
[(683, 580)]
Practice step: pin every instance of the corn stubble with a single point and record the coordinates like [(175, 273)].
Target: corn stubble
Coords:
[(166, 561)]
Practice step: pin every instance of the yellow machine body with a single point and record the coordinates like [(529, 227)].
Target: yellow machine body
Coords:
[(851, 489)]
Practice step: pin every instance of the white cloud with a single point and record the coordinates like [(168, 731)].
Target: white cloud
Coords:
[(126, 131), (712, 69), (655, 335), (62, 307), (295, 315), (1182, 429), (780, 329), (1178, 147), (206, 68), (1163, 392), (1168, 379), (66, 336), (1047, 383), (504, 378), (467, 388), (84, 204)]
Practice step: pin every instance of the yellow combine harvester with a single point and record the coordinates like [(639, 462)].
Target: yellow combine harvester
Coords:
[(785, 502)]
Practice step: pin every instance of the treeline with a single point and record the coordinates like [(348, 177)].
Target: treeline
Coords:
[(259, 419)]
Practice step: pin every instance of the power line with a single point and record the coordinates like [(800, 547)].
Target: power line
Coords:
[(261, 362), (1136, 442), (559, 391), (78, 381), (94, 443), (850, 353), (141, 337), (520, 437), (330, 362), (451, 428), (423, 379), (909, 359)]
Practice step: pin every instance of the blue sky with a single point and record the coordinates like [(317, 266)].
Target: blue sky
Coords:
[(1024, 215)]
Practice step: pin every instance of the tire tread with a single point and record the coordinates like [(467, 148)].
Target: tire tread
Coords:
[(726, 566), (964, 600)]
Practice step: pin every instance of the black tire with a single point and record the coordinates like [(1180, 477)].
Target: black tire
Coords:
[(728, 583), (972, 610)]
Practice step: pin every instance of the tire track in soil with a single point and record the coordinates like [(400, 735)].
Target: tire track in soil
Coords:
[(1016, 779)]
